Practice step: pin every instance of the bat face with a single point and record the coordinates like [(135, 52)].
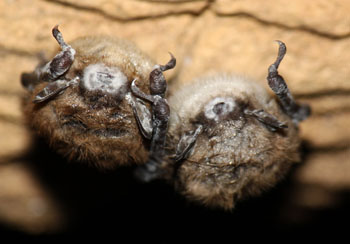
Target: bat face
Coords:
[(235, 154), (231, 139), (81, 100)]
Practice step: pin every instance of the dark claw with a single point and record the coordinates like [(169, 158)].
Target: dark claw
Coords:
[(279, 87), (59, 38), (158, 83), (61, 63), (281, 52), (160, 119), (137, 92), (171, 64)]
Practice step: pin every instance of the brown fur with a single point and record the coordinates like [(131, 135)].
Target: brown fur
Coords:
[(98, 128), (232, 158)]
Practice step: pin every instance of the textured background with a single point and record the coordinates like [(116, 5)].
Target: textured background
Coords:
[(41, 193)]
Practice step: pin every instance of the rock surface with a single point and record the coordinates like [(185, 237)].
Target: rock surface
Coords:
[(206, 37)]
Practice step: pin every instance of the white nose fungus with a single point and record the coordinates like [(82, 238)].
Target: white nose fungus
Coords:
[(99, 77), (218, 107)]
